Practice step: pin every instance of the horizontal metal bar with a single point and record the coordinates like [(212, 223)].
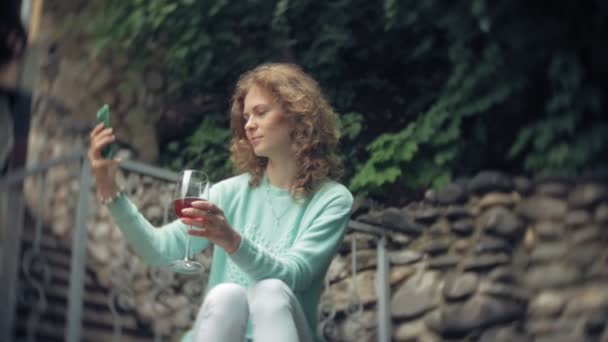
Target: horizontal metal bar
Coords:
[(145, 169), (19, 175), (149, 170), (366, 228)]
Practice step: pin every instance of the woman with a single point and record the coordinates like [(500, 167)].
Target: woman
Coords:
[(275, 227)]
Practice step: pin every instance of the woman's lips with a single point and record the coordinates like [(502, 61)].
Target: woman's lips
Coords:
[(255, 140)]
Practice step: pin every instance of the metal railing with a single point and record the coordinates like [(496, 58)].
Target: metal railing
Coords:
[(12, 219), (355, 308)]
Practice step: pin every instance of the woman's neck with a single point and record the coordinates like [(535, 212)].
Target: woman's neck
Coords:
[(282, 175)]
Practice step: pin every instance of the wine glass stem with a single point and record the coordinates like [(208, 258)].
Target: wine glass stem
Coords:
[(187, 256)]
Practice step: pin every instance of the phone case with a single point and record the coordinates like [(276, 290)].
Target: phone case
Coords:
[(103, 116)]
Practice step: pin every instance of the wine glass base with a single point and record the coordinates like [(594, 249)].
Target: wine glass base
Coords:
[(187, 267)]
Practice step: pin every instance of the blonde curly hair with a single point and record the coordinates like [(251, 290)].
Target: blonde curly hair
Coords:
[(314, 132)]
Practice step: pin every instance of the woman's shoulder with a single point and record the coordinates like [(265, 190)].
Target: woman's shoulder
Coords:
[(233, 183), (331, 190)]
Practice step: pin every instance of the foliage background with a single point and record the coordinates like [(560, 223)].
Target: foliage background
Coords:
[(428, 91)]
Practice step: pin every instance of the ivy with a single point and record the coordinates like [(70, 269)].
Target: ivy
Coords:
[(428, 90), (206, 149)]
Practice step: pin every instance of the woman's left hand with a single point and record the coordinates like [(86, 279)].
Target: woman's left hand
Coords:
[(213, 225)]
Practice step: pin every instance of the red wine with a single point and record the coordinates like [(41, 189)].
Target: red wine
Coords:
[(183, 203)]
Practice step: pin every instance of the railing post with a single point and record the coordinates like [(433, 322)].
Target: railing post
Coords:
[(12, 228), (384, 293), (78, 262)]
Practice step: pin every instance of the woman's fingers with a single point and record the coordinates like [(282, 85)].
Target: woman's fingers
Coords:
[(102, 163), (103, 169), (213, 226), (198, 227), (99, 142), (199, 232), (205, 211), (200, 218), (102, 142), (193, 212), (209, 218), (99, 131), (96, 130), (207, 206), (108, 132)]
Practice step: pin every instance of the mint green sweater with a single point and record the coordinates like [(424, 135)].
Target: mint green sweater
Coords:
[(297, 248)]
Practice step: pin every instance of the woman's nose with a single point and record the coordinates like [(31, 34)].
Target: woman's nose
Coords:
[(249, 124)]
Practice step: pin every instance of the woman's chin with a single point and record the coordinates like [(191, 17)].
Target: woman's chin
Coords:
[(259, 153)]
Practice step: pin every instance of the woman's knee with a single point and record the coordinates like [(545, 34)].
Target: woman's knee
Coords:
[(224, 312), (227, 295), (270, 296)]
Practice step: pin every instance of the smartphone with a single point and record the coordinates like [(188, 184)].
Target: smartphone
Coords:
[(103, 116)]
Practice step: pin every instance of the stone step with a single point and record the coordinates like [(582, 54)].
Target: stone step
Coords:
[(97, 319), (92, 297), (49, 331), (62, 275), (48, 241), (57, 308)]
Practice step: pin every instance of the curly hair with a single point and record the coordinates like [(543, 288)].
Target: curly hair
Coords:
[(314, 133)]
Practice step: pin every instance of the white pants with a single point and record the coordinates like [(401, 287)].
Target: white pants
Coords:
[(275, 313)]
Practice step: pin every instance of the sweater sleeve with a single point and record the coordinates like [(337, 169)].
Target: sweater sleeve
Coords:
[(157, 246), (310, 255)]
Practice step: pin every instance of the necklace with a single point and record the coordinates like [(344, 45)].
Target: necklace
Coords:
[(277, 217)]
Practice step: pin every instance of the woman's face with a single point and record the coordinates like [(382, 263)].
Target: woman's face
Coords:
[(266, 127)]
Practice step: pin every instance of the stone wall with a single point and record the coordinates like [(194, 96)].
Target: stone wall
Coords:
[(75, 80), (491, 259)]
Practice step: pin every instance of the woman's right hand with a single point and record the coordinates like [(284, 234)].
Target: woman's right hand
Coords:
[(103, 169)]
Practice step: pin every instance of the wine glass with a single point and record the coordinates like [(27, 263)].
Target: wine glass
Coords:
[(192, 186)]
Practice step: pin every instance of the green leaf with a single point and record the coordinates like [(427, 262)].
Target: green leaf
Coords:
[(523, 139), (441, 180)]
